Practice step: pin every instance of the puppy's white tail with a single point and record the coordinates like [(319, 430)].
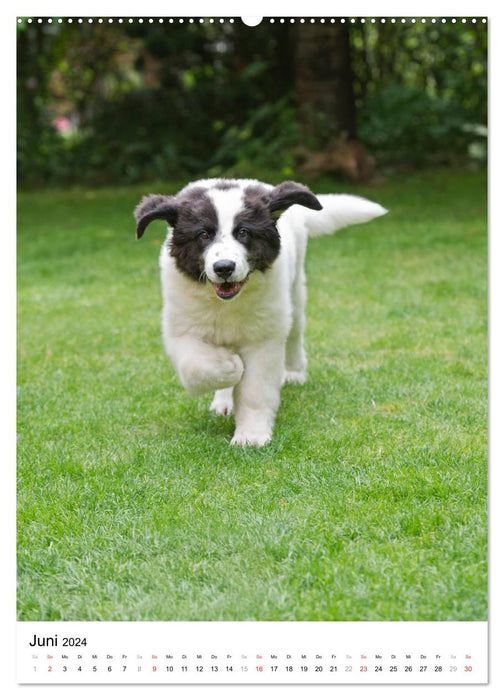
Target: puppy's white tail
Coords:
[(338, 211)]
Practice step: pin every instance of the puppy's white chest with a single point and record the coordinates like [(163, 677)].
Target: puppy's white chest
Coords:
[(247, 320)]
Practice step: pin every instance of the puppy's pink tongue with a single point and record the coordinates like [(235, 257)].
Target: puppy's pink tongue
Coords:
[(227, 290)]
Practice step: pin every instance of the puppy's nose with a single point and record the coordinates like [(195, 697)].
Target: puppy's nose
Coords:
[(224, 268)]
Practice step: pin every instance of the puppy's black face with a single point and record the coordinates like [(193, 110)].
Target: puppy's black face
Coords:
[(224, 230)]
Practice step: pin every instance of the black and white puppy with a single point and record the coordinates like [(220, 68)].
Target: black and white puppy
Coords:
[(233, 282)]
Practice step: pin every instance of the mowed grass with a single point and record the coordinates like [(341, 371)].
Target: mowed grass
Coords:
[(370, 502)]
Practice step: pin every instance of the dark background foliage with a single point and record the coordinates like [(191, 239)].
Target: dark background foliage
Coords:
[(116, 103)]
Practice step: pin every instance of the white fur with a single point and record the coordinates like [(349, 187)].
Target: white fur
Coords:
[(244, 349), (226, 247)]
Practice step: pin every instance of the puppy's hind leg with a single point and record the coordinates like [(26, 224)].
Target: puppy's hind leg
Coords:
[(295, 356), (222, 403)]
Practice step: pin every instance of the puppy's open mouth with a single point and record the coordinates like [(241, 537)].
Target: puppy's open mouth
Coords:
[(228, 290)]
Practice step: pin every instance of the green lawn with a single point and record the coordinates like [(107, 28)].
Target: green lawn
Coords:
[(369, 503)]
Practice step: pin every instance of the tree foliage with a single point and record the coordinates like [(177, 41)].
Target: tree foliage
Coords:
[(122, 103)]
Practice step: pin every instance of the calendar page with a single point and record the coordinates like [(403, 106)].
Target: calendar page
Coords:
[(253, 652), (252, 369)]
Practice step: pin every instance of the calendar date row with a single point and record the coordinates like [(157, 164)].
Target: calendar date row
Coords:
[(318, 668)]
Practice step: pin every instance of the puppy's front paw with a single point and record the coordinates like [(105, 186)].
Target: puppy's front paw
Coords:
[(230, 368), (245, 438), (216, 369)]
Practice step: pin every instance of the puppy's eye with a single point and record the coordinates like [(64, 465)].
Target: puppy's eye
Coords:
[(204, 235), (242, 234)]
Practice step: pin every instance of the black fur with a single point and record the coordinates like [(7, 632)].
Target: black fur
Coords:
[(152, 207), (263, 241), (288, 193), (196, 213), (225, 185)]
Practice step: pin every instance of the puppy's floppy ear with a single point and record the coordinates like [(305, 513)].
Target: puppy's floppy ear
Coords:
[(152, 207), (288, 193)]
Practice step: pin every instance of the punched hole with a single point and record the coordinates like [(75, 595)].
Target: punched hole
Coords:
[(251, 21)]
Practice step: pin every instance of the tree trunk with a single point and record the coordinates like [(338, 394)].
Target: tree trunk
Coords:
[(324, 78)]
